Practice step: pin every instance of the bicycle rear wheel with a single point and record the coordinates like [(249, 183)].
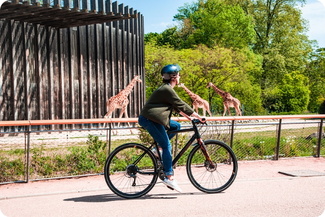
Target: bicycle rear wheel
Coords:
[(131, 170), (215, 177)]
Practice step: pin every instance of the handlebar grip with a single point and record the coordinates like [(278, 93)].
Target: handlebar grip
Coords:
[(197, 121)]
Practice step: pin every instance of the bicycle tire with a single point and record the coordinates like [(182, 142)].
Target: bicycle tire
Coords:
[(131, 170), (213, 178)]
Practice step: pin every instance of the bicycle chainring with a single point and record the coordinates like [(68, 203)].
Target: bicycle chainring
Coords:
[(161, 173)]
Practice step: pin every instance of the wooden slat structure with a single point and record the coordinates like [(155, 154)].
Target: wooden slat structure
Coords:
[(57, 16), (63, 61)]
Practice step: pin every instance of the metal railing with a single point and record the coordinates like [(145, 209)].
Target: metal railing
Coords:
[(251, 137)]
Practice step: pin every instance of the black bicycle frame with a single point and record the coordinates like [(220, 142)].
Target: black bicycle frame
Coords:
[(196, 136)]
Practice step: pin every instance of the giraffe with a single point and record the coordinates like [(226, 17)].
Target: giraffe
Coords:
[(198, 102), (228, 100), (120, 100)]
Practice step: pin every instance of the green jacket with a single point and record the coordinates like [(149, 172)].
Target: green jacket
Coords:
[(161, 103)]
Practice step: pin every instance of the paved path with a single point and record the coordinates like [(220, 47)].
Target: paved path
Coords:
[(259, 190)]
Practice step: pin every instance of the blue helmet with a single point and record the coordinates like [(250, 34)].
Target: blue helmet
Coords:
[(171, 69)]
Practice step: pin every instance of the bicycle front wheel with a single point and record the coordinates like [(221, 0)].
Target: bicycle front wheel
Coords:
[(131, 170), (215, 176)]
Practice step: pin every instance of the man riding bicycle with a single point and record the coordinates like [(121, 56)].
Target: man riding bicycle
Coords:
[(155, 117)]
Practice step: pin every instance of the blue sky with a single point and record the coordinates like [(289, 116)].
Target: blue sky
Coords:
[(158, 15)]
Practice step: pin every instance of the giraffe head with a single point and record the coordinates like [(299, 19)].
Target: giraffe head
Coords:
[(137, 78), (209, 84), (181, 85)]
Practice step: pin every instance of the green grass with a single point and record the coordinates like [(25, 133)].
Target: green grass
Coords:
[(46, 161)]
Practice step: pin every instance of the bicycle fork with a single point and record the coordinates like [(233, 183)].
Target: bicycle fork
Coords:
[(208, 162)]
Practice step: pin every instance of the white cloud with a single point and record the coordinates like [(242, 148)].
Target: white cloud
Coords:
[(322, 1)]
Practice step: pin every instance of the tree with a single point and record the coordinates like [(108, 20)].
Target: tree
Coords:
[(230, 69), (315, 71), (281, 38), (254, 49), (281, 41), (152, 37), (294, 93), (322, 108), (214, 23)]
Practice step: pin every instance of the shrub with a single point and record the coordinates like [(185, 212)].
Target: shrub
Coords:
[(145, 137), (11, 169)]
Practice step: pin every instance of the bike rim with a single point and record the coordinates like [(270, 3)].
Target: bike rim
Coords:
[(127, 179), (215, 177)]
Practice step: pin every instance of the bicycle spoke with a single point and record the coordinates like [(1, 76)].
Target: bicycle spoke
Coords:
[(130, 171), (216, 177)]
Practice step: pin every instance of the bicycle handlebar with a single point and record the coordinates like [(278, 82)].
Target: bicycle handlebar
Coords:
[(197, 121)]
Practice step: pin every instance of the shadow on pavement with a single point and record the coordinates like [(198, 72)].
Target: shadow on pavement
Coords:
[(112, 197)]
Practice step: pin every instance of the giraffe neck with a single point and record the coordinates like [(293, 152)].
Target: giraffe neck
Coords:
[(220, 92), (126, 91), (190, 93)]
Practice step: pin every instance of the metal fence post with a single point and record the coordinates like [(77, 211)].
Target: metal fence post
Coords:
[(109, 138), (277, 149), (27, 148), (232, 133), (320, 135)]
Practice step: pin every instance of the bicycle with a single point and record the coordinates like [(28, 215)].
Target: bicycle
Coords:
[(132, 169)]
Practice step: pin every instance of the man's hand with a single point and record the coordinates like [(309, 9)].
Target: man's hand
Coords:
[(197, 116)]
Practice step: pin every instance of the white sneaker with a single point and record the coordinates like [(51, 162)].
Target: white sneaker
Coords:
[(172, 184)]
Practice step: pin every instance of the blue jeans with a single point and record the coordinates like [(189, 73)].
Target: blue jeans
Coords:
[(160, 135)]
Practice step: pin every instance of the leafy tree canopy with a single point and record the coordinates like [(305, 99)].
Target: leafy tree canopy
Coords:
[(257, 50), (231, 70), (214, 23)]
